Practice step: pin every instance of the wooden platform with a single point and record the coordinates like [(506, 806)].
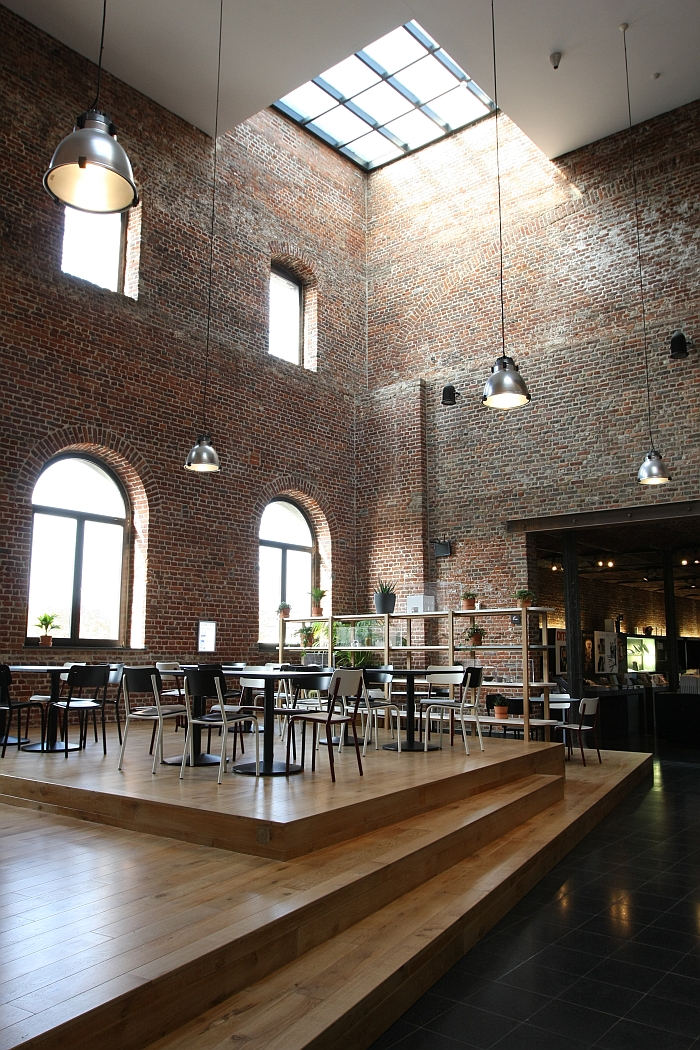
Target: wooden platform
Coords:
[(270, 817), (116, 938)]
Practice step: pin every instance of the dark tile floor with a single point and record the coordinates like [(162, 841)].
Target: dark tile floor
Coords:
[(604, 952)]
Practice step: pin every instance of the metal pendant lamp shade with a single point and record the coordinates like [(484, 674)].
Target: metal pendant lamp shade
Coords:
[(202, 458), (505, 388), (653, 470), (89, 170)]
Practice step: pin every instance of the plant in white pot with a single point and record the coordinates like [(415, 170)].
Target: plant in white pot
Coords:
[(48, 621), (385, 596)]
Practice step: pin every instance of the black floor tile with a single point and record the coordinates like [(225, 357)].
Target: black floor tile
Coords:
[(626, 975), (426, 1009), (516, 1003), (528, 1037), (648, 955), (672, 1016), (468, 1024), (599, 944), (630, 1035), (535, 978), (422, 1039), (689, 966), (610, 998), (459, 985), (566, 960), (566, 1018), (393, 1035), (616, 925), (660, 937)]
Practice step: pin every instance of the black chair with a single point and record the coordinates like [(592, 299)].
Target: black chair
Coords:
[(94, 678), (587, 707), (378, 682), (146, 682), (346, 685), (8, 707), (210, 684), (116, 674)]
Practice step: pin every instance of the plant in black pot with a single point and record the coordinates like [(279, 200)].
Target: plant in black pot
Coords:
[(385, 597)]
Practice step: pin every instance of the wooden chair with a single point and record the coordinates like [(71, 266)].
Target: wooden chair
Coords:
[(211, 683), (469, 686), (8, 707), (345, 685), (587, 708), (146, 681), (94, 678)]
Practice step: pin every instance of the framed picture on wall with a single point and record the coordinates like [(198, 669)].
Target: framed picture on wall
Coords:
[(605, 652), (560, 663)]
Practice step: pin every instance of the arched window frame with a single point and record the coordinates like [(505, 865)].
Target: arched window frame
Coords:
[(284, 547), (293, 278), (81, 517)]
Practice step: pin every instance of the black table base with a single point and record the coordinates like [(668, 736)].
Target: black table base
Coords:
[(267, 769), (55, 748), (202, 758), (410, 745)]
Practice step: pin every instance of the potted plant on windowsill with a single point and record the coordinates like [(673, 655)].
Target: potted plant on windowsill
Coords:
[(475, 634), (385, 597), (525, 597), (283, 610), (317, 595), (469, 599), (47, 621)]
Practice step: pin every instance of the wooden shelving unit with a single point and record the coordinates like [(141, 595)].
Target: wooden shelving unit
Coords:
[(452, 618)]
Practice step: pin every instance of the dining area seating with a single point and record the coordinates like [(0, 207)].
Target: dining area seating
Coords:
[(147, 683), (210, 683), (346, 690)]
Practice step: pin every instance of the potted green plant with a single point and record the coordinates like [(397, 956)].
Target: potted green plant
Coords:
[(469, 599), (524, 597), (47, 621), (307, 635), (385, 596), (316, 598), (476, 634), (283, 610)]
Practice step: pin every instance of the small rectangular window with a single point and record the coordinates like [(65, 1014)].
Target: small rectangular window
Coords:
[(286, 308), (93, 247)]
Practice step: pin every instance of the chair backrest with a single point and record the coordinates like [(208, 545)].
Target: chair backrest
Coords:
[(317, 682), (251, 683), (588, 706), (202, 682), (5, 683), (88, 676), (375, 676), (68, 664), (347, 682), (168, 665), (559, 696), (141, 680), (473, 677), (440, 675), (115, 674)]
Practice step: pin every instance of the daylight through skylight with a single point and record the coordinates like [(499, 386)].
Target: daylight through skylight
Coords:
[(394, 96)]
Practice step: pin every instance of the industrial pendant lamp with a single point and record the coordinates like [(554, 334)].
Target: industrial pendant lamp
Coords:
[(505, 388), (202, 457), (652, 470), (89, 170)]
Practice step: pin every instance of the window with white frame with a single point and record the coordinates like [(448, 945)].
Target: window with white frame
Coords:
[(78, 557), (286, 316), (287, 552), (94, 247)]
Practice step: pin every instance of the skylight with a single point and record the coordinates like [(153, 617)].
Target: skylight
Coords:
[(396, 95)]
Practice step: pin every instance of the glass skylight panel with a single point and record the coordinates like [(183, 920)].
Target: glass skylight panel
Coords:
[(383, 103), (350, 76), (395, 50), (415, 129), (394, 96), (426, 79), (342, 125), (373, 148), (458, 107), (309, 101)]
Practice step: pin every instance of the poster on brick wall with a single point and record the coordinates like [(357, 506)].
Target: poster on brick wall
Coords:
[(560, 665), (606, 656)]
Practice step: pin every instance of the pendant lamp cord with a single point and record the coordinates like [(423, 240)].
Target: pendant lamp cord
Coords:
[(498, 180), (623, 27), (99, 63), (213, 219)]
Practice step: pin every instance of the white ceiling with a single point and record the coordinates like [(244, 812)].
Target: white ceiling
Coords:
[(166, 49)]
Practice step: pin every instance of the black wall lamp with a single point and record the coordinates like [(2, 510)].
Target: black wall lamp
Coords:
[(679, 345), (450, 395), (442, 548)]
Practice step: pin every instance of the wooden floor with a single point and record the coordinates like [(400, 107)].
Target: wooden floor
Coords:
[(274, 817), (115, 938)]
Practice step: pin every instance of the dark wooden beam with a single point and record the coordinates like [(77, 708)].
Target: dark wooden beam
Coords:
[(671, 624), (621, 516), (572, 613)]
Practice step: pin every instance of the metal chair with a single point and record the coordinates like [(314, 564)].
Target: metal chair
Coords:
[(211, 683), (94, 678), (8, 707), (147, 680), (345, 685), (586, 708), (378, 698), (469, 686)]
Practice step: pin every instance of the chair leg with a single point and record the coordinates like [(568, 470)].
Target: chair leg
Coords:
[(119, 725), (257, 748), (158, 749), (222, 760), (94, 723), (331, 759), (464, 735), (290, 737), (104, 730), (123, 747), (357, 747), (153, 737), (597, 745), (65, 731), (7, 731), (478, 729), (185, 749), (314, 735)]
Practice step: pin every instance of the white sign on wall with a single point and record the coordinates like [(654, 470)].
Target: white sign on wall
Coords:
[(207, 636)]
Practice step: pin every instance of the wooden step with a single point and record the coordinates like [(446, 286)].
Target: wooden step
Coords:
[(343, 994), (271, 916)]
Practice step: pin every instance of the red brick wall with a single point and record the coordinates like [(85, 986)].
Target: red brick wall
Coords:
[(572, 323), (85, 366)]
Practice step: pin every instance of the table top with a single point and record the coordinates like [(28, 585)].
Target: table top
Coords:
[(512, 720)]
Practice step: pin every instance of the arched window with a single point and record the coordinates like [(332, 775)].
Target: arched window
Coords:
[(287, 556), (79, 552), (286, 316)]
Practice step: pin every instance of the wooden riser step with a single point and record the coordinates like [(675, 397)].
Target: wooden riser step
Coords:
[(343, 994), (275, 916)]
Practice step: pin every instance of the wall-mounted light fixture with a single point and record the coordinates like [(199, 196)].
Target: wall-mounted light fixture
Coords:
[(679, 346), (450, 395)]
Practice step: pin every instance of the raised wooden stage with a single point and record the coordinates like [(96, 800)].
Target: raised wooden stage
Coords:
[(289, 914)]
